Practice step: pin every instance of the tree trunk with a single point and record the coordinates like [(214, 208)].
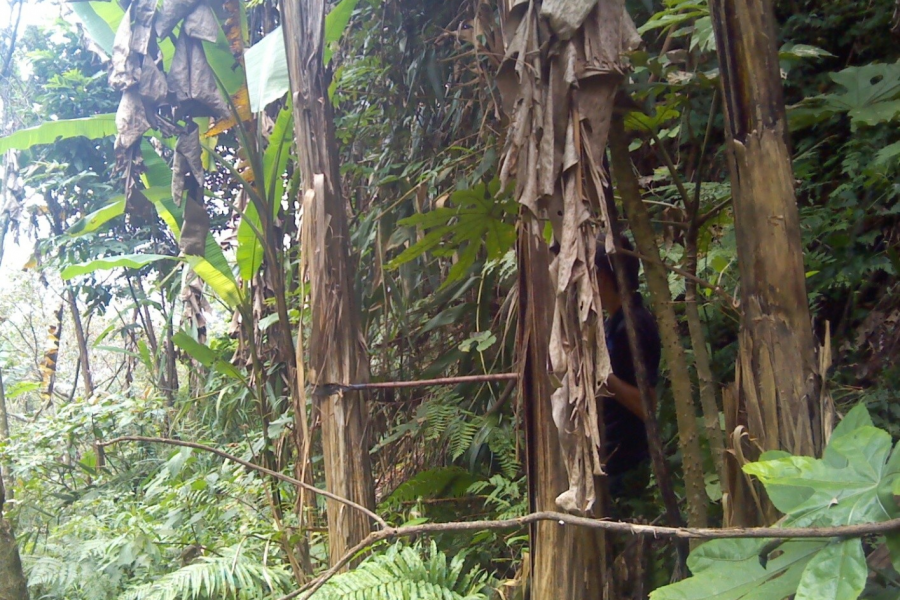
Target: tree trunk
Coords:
[(13, 585), (335, 349), (562, 65), (780, 397), (664, 311), (567, 562)]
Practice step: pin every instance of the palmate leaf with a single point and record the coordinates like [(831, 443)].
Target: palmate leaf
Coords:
[(853, 483), (871, 96), (477, 218), (839, 571), (731, 570)]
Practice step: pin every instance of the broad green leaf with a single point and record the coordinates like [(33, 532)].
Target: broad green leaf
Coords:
[(266, 62), (893, 543), (731, 570), (218, 277), (276, 156), (857, 418), (22, 387), (100, 20), (335, 23), (204, 355), (212, 267), (824, 493), (837, 572), (98, 218), (249, 253), (156, 171), (871, 93), (267, 72), (132, 261), (95, 127), (801, 51)]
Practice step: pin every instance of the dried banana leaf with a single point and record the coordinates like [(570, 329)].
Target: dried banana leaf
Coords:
[(192, 82)]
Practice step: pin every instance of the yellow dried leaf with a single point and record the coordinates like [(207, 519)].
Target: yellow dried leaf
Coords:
[(241, 102)]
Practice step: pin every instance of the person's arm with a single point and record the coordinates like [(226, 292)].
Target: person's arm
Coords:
[(629, 396)]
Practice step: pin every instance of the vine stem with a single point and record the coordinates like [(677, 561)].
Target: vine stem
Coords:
[(387, 532), (701, 533)]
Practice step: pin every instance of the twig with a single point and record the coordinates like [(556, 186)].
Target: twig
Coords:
[(329, 389), (249, 465), (704, 533), (701, 282)]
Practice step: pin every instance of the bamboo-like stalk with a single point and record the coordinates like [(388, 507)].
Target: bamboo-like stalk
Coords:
[(661, 302)]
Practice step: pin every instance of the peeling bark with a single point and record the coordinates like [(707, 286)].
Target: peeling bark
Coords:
[(336, 348), (566, 562), (781, 401)]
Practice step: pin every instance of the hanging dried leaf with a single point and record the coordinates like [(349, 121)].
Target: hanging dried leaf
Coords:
[(131, 121), (566, 16), (152, 87), (170, 13), (141, 14), (187, 191), (192, 82), (201, 24), (560, 104), (125, 65)]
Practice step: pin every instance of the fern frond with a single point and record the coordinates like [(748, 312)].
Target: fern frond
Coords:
[(403, 572), (230, 575)]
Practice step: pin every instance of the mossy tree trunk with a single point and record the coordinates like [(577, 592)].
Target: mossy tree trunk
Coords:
[(335, 350), (778, 389), (13, 585)]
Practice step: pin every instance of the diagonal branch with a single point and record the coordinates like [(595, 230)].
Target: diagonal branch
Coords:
[(701, 533), (252, 466)]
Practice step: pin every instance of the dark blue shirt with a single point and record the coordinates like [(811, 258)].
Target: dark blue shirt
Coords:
[(626, 437)]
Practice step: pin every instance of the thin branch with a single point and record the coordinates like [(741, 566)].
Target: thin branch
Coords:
[(329, 389), (249, 465), (702, 533), (701, 282)]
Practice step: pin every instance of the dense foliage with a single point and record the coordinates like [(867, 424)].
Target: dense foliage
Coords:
[(145, 342)]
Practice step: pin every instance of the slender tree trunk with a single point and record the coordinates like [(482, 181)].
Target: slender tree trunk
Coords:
[(13, 585), (335, 348), (778, 388), (701, 361), (567, 562), (661, 302), (82, 343)]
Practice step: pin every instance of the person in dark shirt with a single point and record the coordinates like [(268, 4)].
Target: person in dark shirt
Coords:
[(623, 413)]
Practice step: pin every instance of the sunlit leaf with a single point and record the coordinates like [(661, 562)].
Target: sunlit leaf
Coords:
[(838, 572), (98, 126), (131, 261)]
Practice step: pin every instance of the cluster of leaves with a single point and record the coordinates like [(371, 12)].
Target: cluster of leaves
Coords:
[(856, 481)]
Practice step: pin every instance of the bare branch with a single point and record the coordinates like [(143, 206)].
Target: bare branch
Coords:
[(249, 465), (704, 533)]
